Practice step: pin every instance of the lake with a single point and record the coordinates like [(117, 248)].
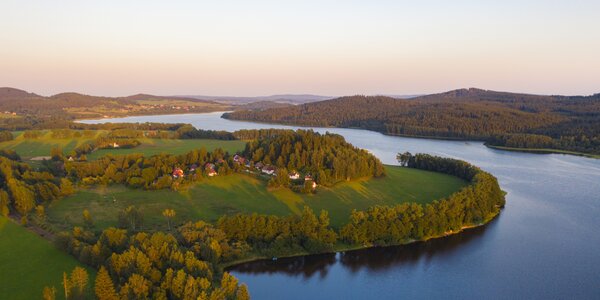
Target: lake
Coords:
[(544, 245)]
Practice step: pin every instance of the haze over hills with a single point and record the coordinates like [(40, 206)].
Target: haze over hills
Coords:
[(284, 98)]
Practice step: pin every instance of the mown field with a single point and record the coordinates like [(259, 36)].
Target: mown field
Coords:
[(41, 146), (28, 263), (156, 146), (29, 148), (241, 193)]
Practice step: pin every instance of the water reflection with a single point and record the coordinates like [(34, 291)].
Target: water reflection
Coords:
[(373, 259), (304, 266)]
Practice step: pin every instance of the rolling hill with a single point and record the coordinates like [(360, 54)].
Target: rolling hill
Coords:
[(500, 118)]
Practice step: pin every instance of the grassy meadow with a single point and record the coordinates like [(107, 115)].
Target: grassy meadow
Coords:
[(41, 146), (28, 262), (151, 147), (239, 193)]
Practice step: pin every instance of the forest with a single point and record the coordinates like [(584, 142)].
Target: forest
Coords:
[(328, 157), (572, 123)]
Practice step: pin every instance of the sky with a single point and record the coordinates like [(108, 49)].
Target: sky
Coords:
[(334, 48)]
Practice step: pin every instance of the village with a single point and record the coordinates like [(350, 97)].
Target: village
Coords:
[(258, 168)]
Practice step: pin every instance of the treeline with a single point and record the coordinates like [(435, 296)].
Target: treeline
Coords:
[(391, 225), (573, 123), (154, 172), (578, 143), (328, 157), (131, 126), (191, 132), (22, 189), (160, 265), (10, 154), (273, 235), (6, 136)]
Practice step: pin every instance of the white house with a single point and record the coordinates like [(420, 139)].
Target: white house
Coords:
[(269, 170)]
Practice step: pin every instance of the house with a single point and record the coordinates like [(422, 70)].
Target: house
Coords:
[(115, 145), (294, 175), (193, 167), (259, 165), (70, 158), (210, 170), (177, 173), (269, 170), (248, 164), (239, 159), (308, 177)]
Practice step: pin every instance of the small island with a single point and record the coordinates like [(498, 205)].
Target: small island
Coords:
[(144, 209)]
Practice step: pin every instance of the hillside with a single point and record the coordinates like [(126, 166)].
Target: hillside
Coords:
[(504, 119), (12, 93), (29, 262), (262, 105), (285, 98), (68, 106)]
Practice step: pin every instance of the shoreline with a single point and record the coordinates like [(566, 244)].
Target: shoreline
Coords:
[(345, 247), (77, 120), (543, 151), (442, 138)]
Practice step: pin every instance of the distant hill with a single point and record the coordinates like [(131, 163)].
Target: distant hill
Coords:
[(291, 99), (75, 105), (562, 122), (147, 97), (262, 105), (8, 93)]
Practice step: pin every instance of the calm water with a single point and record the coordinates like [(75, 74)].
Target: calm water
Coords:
[(544, 245)]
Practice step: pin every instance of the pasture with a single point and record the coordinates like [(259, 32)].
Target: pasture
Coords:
[(28, 263), (241, 193)]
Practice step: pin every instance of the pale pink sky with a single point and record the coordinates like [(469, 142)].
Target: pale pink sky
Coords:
[(320, 47)]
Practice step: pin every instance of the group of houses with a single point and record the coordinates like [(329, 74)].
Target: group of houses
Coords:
[(209, 168), (270, 170)]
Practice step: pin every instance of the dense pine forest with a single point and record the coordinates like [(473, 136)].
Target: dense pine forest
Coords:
[(501, 119), (329, 158)]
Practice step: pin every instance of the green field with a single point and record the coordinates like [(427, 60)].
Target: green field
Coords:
[(156, 146), (28, 263), (231, 194), (29, 148)]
